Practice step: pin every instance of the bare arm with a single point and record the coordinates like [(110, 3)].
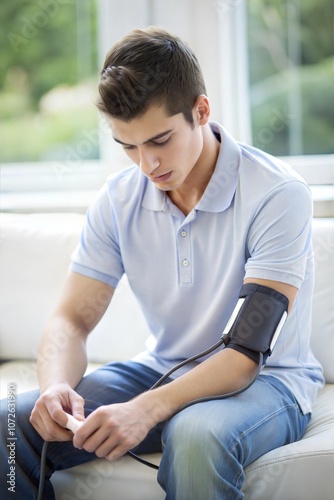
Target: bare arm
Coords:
[(122, 427), (62, 360), (226, 371)]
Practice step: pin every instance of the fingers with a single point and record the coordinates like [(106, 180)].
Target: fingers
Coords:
[(110, 431), (46, 426), (49, 415), (105, 444), (78, 408)]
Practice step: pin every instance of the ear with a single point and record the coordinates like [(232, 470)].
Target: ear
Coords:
[(201, 110)]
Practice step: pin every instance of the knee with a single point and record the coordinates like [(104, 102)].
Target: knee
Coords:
[(195, 452), (189, 435)]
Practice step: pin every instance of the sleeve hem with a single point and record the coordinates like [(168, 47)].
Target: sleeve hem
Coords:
[(92, 273), (281, 276)]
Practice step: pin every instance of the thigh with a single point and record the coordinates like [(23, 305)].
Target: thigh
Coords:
[(115, 383), (207, 446), (249, 425)]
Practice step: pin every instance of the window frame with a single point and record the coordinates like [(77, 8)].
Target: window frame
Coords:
[(30, 187)]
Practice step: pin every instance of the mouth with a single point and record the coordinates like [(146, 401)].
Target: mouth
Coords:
[(161, 178)]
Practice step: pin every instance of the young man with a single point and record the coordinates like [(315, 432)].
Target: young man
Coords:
[(196, 222)]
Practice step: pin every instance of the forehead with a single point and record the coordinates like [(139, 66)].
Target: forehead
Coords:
[(139, 130)]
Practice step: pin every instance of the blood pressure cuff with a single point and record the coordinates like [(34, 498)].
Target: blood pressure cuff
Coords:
[(256, 321)]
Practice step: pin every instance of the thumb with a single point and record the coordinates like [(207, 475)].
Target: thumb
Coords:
[(77, 408)]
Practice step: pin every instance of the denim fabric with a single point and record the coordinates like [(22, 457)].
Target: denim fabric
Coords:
[(206, 446), (112, 383)]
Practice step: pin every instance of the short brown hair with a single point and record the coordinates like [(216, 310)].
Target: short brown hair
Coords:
[(146, 67)]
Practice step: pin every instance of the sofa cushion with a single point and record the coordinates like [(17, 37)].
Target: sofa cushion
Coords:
[(125, 479), (323, 309), (301, 470), (35, 254), (33, 280)]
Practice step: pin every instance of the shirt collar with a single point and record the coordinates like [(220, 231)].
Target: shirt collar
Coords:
[(153, 198), (220, 190)]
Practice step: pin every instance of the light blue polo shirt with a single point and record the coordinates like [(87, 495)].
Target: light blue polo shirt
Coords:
[(253, 221)]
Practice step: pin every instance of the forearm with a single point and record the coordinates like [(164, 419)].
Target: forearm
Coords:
[(222, 373), (62, 354)]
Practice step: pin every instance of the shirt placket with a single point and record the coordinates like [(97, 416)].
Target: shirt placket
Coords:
[(185, 255)]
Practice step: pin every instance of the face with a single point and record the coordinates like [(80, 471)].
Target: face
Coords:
[(166, 148)]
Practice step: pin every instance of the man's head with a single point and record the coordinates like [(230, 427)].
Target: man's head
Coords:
[(150, 67)]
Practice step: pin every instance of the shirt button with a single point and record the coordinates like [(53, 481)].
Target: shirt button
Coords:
[(185, 263), (183, 233)]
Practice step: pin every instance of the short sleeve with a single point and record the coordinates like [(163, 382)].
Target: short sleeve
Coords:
[(279, 238), (98, 255)]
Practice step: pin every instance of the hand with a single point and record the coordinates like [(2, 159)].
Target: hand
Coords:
[(49, 417), (111, 431)]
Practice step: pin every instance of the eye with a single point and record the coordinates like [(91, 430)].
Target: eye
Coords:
[(130, 147), (159, 144)]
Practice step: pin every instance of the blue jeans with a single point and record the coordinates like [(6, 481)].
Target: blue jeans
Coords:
[(205, 447)]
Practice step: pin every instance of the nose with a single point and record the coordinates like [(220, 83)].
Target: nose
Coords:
[(148, 162)]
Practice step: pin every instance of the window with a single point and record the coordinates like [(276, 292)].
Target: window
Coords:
[(49, 125), (291, 68), (268, 66), (48, 67), (291, 73)]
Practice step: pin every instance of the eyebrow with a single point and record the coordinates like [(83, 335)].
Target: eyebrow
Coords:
[(158, 136)]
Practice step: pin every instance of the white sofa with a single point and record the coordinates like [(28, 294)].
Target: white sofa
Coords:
[(35, 253)]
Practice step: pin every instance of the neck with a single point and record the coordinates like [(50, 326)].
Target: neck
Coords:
[(190, 192)]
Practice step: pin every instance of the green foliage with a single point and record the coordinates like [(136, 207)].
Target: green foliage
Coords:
[(272, 120), (50, 135), (40, 37), (45, 44), (291, 57)]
